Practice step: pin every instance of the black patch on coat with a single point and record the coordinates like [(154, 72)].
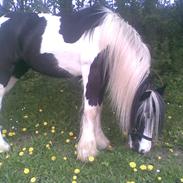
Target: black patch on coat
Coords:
[(74, 25), (96, 81), (20, 42)]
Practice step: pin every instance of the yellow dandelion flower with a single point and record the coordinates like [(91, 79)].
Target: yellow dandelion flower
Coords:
[(74, 177), (21, 153), (48, 146), (45, 123), (75, 152), (181, 179), (7, 156), (53, 127), (52, 130), (37, 125), (77, 171), (24, 149), (171, 150), (71, 134), (25, 116), (36, 132), (150, 167), (67, 140), (31, 149), (53, 158), (91, 158), (132, 164), (24, 129), (33, 179), (62, 132), (159, 178), (1, 164), (135, 169), (4, 131), (26, 171), (143, 167), (74, 181), (65, 158), (159, 157), (40, 110)]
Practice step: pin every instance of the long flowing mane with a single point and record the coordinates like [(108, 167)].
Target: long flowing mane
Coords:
[(128, 62)]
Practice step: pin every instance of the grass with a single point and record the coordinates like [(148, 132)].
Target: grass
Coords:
[(38, 99)]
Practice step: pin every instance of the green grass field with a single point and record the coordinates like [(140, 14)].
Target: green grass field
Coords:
[(40, 118)]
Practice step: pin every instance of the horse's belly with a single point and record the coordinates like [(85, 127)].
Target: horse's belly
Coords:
[(69, 62)]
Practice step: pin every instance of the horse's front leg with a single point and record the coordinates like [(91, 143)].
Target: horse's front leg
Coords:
[(87, 145)]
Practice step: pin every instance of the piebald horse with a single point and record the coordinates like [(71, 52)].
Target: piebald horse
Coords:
[(106, 51)]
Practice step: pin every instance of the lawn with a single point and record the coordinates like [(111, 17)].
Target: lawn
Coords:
[(40, 118)]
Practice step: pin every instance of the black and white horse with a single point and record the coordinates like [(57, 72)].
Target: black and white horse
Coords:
[(107, 52)]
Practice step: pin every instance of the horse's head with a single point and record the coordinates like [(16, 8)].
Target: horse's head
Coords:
[(147, 120)]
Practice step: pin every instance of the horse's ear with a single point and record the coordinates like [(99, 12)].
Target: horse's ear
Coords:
[(161, 90), (145, 95)]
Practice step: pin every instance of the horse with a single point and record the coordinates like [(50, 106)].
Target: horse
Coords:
[(101, 47)]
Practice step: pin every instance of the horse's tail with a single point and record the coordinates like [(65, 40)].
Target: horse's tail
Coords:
[(127, 62)]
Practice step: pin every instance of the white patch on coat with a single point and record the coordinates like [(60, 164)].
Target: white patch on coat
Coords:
[(70, 56), (11, 84), (3, 19), (3, 144)]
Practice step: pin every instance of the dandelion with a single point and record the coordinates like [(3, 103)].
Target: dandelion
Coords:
[(181, 179), (135, 169), (62, 132), (159, 178), (171, 150), (25, 116), (24, 149), (33, 179), (53, 158), (67, 141), (74, 177), (45, 123), (65, 158), (143, 167), (77, 171), (74, 181), (169, 117), (31, 149), (159, 157), (52, 130), (132, 164), (40, 110), (37, 125), (21, 153), (1, 164), (4, 131), (36, 132), (150, 167), (24, 129), (48, 146), (91, 158), (71, 134), (26, 171)]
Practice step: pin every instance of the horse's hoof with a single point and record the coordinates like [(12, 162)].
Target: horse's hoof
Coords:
[(4, 147)]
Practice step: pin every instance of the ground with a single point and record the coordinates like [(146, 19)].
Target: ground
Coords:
[(41, 121)]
